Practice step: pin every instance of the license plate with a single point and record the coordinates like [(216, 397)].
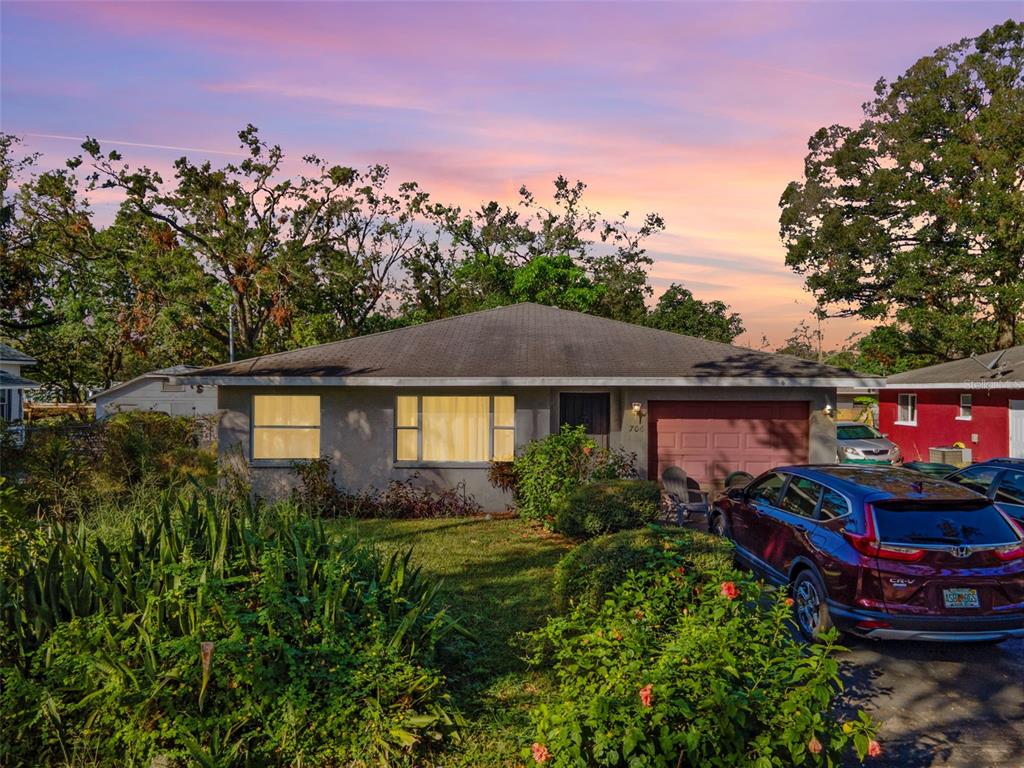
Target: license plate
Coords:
[(960, 598)]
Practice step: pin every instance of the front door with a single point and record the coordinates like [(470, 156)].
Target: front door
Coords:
[(1017, 429), (588, 409)]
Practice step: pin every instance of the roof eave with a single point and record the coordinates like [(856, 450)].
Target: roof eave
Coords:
[(955, 385), (528, 381)]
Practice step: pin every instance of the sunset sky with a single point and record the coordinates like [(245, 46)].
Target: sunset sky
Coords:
[(698, 111)]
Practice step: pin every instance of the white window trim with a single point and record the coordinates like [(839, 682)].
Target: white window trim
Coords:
[(970, 404), (899, 407), (420, 461)]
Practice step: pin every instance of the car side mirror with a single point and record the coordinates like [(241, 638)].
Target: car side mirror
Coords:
[(737, 494)]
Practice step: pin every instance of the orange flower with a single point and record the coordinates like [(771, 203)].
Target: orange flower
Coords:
[(587, 450), (789, 602), (681, 571), (540, 753), (874, 748), (814, 746), (729, 590), (646, 693)]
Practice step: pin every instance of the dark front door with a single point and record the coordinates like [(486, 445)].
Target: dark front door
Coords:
[(591, 410)]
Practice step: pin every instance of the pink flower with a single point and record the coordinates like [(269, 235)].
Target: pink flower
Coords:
[(814, 746), (729, 590), (874, 748), (540, 753), (646, 693)]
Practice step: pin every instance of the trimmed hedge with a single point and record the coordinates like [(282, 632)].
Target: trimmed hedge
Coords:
[(586, 574), (607, 506)]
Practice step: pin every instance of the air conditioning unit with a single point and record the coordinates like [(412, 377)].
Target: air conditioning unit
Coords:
[(950, 455)]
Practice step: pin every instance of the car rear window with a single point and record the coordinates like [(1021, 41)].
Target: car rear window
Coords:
[(961, 524)]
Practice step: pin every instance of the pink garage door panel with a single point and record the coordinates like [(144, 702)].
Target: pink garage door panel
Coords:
[(710, 439)]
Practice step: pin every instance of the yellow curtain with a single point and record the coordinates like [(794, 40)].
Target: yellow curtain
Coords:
[(455, 428), (286, 427)]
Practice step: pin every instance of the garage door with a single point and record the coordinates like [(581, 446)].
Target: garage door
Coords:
[(710, 439)]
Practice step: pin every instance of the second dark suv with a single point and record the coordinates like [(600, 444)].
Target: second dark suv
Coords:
[(1001, 480), (882, 552)]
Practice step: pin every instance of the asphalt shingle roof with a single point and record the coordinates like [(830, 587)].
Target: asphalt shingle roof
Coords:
[(10, 380), (993, 368), (11, 355), (524, 341)]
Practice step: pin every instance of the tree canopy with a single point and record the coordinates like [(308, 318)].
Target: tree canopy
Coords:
[(915, 217), (295, 258)]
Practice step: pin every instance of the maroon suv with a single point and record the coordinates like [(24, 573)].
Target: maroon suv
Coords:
[(882, 552)]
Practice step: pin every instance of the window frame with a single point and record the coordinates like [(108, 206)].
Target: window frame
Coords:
[(960, 415), (253, 426), (912, 404), (419, 461)]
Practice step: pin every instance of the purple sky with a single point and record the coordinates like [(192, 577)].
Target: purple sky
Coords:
[(698, 111)]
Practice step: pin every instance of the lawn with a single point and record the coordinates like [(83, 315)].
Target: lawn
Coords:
[(497, 580)]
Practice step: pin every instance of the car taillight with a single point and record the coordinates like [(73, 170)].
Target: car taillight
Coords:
[(867, 543), (1012, 551)]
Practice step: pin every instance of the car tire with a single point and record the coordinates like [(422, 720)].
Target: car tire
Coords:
[(810, 605)]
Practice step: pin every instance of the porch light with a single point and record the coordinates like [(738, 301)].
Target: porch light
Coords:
[(638, 411)]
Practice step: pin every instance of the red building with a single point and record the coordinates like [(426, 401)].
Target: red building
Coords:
[(978, 401)]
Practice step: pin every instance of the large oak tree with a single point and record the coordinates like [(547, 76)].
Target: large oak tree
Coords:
[(916, 216)]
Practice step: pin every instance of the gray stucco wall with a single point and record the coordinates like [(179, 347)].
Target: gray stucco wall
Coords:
[(357, 431)]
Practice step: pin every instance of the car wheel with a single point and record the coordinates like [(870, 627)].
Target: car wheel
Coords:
[(716, 524), (810, 605)]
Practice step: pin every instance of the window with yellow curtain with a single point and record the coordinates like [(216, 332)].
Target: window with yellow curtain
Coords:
[(286, 427), (454, 428)]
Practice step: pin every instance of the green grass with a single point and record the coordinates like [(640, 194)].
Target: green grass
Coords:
[(497, 581)]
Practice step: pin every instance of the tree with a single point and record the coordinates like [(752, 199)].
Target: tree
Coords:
[(563, 254), (677, 310), (322, 247), (916, 216)]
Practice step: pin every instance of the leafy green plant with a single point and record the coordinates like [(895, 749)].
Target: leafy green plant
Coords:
[(221, 635), (552, 468), (587, 573), (688, 666), (606, 506)]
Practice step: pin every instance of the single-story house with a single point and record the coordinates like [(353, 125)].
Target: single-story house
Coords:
[(156, 391), (443, 399), (13, 384), (977, 401)]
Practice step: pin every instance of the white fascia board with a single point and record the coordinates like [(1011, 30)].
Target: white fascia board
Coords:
[(521, 381), (960, 385)]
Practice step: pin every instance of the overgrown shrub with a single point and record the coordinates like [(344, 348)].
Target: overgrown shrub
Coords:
[(65, 471), (552, 468), (587, 573), (219, 636), (688, 666), (319, 493), (606, 506)]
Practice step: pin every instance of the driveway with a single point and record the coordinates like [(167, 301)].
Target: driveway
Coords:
[(941, 704)]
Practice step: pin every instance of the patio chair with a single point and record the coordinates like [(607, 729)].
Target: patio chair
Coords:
[(684, 494), (738, 479)]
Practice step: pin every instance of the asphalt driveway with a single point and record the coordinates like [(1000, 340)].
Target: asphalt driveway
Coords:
[(941, 704)]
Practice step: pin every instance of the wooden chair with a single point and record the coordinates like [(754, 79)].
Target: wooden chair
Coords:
[(684, 494)]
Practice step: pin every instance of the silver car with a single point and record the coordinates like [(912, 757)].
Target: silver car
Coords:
[(863, 444)]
